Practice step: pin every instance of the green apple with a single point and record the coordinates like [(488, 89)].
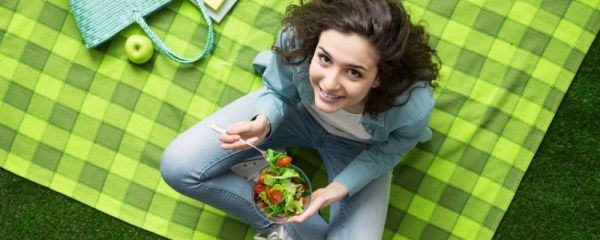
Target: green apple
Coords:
[(138, 48)]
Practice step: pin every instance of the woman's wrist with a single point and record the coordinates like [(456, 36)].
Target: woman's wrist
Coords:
[(337, 191), (264, 122)]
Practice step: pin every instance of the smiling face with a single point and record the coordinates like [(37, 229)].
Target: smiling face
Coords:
[(342, 71)]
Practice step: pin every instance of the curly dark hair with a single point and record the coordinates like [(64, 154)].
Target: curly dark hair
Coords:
[(405, 54)]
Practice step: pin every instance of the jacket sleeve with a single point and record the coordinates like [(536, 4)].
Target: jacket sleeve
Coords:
[(381, 157), (281, 95)]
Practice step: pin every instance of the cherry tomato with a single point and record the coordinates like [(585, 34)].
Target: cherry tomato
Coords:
[(276, 197), (260, 179), (259, 188), (262, 204), (284, 161)]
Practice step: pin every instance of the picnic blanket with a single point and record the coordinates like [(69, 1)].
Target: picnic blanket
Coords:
[(91, 125)]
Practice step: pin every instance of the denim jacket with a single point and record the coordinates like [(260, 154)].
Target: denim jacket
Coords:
[(394, 132)]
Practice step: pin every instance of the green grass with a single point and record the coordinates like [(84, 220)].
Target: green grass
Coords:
[(559, 197)]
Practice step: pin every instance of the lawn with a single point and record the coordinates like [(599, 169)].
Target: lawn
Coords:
[(559, 197)]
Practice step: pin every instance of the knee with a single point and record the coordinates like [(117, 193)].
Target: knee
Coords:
[(175, 168)]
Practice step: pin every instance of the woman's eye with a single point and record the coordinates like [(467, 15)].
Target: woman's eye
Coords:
[(355, 74), (324, 59)]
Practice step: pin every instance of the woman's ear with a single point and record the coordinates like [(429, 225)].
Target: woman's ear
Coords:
[(376, 83)]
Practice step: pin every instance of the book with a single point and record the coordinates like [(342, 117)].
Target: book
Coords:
[(217, 9)]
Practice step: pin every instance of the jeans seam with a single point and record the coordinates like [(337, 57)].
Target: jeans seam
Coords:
[(291, 229), (203, 175), (344, 214)]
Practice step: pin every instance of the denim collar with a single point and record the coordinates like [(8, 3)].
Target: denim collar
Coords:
[(378, 121)]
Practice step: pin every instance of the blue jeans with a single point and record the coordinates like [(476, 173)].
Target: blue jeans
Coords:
[(195, 165)]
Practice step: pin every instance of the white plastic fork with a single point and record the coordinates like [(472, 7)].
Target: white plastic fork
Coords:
[(221, 130)]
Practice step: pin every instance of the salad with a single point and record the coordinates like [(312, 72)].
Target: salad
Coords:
[(281, 189)]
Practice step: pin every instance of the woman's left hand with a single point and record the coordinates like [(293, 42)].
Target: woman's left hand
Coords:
[(321, 198)]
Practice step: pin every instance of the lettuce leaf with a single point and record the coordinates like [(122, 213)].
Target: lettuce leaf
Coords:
[(293, 207), (286, 173), (273, 156), (264, 197), (269, 180)]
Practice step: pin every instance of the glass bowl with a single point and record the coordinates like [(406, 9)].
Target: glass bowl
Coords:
[(282, 217)]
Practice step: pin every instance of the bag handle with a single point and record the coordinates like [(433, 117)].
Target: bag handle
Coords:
[(139, 18)]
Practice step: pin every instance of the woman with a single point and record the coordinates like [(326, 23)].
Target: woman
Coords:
[(349, 78)]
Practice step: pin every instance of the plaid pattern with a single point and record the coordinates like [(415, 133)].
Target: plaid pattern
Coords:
[(92, 126)]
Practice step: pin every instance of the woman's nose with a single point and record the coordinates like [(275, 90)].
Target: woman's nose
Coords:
[(331, 81)]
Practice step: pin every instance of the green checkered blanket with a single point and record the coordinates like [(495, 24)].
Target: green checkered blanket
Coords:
[(91, 125)]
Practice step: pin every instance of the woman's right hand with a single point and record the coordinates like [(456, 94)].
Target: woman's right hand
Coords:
[(253, 132)]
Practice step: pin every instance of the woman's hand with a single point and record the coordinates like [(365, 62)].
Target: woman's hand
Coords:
[(321, 198), (253, 132)]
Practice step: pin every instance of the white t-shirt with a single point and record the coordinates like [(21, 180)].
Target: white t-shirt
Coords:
[(341, 123)]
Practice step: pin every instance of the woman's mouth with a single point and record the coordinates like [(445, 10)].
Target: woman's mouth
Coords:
[(328, 97)]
